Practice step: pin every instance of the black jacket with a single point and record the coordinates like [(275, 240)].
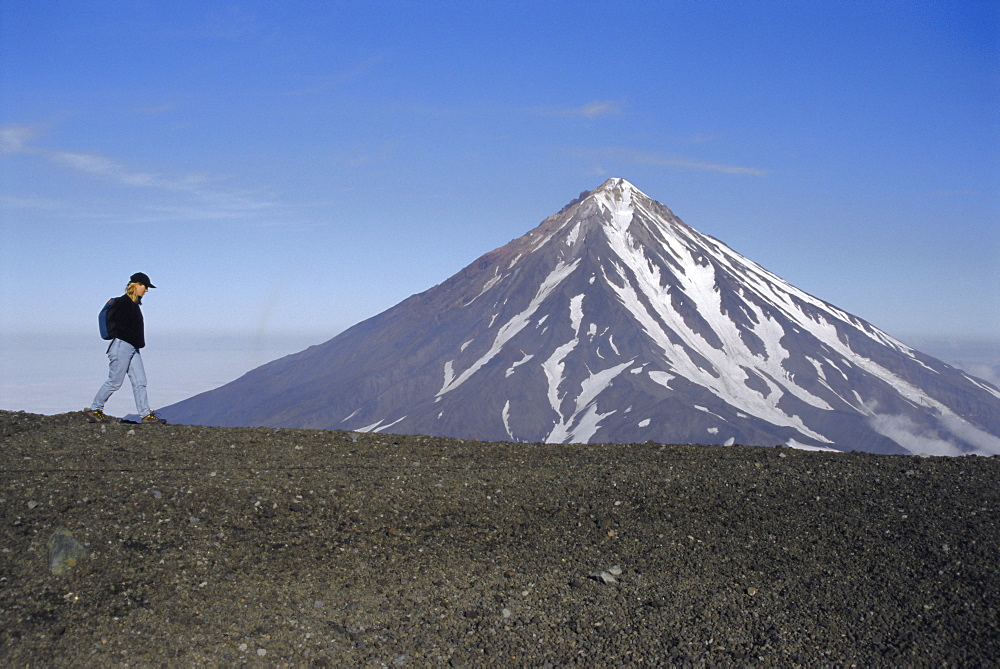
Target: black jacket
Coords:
[(125, 321)]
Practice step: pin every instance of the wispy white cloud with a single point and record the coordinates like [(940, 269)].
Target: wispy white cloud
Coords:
[(214, 202), (600, 108), (591, 110), (639, 157), (103, 166), (16, 138)]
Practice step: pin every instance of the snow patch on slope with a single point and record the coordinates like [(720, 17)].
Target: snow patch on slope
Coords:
[(517, 364), (584, 420), (649, 301), (509, 329), (378, 427), (506, 419)]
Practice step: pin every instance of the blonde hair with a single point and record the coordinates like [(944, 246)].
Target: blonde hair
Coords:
[(130, 292)]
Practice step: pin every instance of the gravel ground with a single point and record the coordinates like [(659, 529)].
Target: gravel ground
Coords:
[(275, 547)]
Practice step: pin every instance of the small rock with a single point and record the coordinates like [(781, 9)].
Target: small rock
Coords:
[(32, 504), (400, 660), (262, 652), (605, 577), (751, 591), (64, 551)]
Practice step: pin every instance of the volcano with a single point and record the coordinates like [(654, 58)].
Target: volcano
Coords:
[(614, 321)]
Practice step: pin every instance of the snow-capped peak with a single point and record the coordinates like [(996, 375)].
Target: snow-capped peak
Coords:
[(613, 320), (619, 186)]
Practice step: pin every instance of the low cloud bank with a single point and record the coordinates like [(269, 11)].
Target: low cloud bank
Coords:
[(954, 437)]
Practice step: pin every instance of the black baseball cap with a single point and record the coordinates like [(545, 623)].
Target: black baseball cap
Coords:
[(140, 277)]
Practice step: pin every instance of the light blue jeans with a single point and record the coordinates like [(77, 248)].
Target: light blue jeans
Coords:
[(125, 359)]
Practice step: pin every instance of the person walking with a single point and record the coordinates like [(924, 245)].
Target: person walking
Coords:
[(125, 326)]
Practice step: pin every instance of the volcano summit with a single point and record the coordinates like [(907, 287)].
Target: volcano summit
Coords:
[(614, 321)]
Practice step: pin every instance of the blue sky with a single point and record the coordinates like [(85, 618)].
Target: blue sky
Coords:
[(297, 167)]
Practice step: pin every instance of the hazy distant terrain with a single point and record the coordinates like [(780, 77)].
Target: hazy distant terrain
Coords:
[(73, 366), (979, 357), (56, 372)]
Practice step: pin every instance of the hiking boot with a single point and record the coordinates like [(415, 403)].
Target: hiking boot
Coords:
[(95, 415), (150, 418)]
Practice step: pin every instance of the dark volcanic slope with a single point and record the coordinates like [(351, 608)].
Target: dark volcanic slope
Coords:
[(216, 546), (615, 321)]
